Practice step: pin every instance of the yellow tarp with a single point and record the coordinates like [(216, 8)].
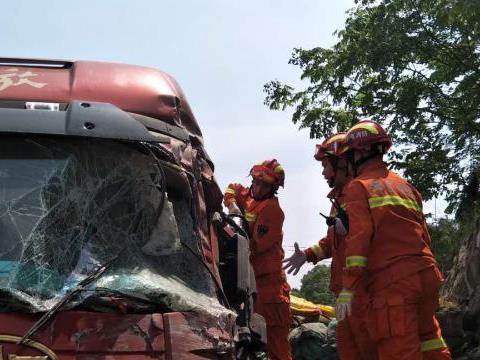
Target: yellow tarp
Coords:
[(299, 306)]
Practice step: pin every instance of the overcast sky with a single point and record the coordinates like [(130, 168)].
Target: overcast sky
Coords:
[(221, 52)]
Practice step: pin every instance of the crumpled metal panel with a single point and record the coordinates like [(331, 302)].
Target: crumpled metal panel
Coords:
[(68, 205), (85, 335), (79, 334), (191, 337)]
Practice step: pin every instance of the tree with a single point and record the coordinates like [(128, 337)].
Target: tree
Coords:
[(446, 241), (412, 65), (315, 286)]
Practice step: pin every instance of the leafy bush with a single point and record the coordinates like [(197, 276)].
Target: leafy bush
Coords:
[(315, 286), (446, 240)]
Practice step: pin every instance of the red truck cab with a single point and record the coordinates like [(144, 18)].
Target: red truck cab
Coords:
[(108, 246)]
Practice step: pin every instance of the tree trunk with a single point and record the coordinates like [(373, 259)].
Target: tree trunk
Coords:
[(462, 286)]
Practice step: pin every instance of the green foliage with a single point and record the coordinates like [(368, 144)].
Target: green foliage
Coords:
[(446, 240), (412, 65), (469, 200), (315, 286), (296, 292)]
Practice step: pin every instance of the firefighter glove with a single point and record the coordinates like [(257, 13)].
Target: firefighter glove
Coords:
[(344, 304), (295, 262)]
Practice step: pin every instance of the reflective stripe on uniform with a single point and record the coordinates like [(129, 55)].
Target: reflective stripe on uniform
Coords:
[(379, 201), (360, 261), (433, 344), (230, 191), (250, 217), (345, 296), (317, 250)]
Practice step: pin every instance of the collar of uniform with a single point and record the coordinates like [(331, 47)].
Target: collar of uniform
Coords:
[(253, 204), (335, 193), (373, 166)]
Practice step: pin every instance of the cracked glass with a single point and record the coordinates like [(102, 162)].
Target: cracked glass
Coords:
[(68, 205)]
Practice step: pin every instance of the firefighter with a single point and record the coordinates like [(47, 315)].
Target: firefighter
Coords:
[(388, 247), (260, 207), (353, 341)]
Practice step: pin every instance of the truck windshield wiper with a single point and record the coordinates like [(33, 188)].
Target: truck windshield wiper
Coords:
[(70, 294)]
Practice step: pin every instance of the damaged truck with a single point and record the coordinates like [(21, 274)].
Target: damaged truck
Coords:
[(113, 242)]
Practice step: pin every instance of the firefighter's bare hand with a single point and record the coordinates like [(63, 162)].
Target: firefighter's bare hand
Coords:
[(233, 209), (295, 262), (343, 307)]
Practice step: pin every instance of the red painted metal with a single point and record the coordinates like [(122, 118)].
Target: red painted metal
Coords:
[(132, 88), (88, 335), (190, 337), (77, 335)]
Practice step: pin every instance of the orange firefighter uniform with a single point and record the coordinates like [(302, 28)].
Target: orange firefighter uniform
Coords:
[(353, 340), (265, 220), (388, 246)]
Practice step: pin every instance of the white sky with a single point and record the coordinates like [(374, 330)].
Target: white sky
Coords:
[(222, 52)]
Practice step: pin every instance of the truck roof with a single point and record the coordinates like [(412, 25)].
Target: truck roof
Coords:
[(132, 88)]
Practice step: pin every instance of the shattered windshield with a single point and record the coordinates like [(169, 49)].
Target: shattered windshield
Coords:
[(69, 205)]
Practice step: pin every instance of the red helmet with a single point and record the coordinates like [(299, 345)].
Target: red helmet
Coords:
[(269, 171), (366, 133), (335, 145)]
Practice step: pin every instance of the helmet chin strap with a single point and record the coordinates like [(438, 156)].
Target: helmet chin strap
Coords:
[(334, 162), (351, 161), (331, 181), (265, 197), (363, 160), (374, 152)]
